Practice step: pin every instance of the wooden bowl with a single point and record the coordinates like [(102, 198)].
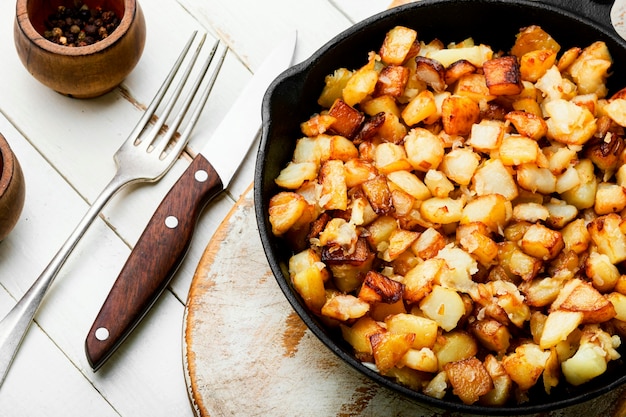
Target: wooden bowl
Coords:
[(85, 71), (12, 189)]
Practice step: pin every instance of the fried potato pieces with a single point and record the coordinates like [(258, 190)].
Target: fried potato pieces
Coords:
[(458, 213)]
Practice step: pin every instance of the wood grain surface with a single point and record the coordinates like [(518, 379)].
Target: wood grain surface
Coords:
[(247, 353)]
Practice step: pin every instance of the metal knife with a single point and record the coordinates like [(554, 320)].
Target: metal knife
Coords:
[(167, 237)]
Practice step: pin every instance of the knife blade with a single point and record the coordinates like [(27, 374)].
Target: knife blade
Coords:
[(166, 239)]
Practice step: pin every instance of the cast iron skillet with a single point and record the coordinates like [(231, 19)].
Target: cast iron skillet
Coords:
[(291, 99)]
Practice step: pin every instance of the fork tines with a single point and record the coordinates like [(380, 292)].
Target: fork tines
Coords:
[(147, 137)]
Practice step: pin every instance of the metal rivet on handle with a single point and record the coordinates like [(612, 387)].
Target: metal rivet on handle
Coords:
[(171, 222), (201, 175), (102, 333)]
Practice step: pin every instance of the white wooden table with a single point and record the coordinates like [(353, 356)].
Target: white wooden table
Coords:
[(65, 147)]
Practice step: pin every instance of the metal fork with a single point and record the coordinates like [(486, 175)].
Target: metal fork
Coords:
[(147, 154)]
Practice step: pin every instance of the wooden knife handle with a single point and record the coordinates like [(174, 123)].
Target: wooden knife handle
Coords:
[(153, 261)]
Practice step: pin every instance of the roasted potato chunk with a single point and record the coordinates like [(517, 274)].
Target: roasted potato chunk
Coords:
[(397, 45), (502, 76), (347, 120), (469, 379)]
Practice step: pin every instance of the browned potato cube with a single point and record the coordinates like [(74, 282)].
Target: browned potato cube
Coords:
[(457, 70), (392, 81), (362, 83), (486, 135), (558, 326), (502, 383), (348, 120), (403, 205), (517, 262), (535, 178), (476, 241), (399, 241), (420, 359), (419, 281), (542, 242), (348, 267), (619, 302), (397, 45), (334, 190), (518, 150), (492, 177), (610, 198), (569, 123), (424, 149), (425, 330), (308, 278), (492, 334), (369, 131), (285, 210), (502, 76), (380, 104), (344, 307), (442, 210), (389, 348), (389, 157), (358, 335), (380, 311), (443, 305), (378, 288), (528, 105), (431, 72), (317, 125), (578, 295), (534, 64), (438, 184), (533, 38), (378, 194), (333, 87), (357, 171), (528, 124), (458, 114), (421, 107), (428, 244), (410, 184), (469, 379), (295, 174), (602, 273), (590, 69), (526, 365), (460, 164), (454, 346), (492, 210), (568, 58), (607, 234), (380, 230), (474, 87), (606, 153)]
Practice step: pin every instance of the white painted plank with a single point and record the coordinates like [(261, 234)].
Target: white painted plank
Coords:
[(151, 365), (358, 10), (46, 384), (251, 28)]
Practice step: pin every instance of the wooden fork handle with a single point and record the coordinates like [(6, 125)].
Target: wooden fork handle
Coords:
[(153, 261)]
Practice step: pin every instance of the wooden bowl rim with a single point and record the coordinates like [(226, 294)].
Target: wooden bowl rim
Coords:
[(7, 165), (23, 20)]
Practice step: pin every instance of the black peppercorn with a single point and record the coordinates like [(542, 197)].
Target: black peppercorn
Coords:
[(79, 25)]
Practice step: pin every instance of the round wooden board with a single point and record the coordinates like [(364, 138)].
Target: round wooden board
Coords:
[(247, 353)]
